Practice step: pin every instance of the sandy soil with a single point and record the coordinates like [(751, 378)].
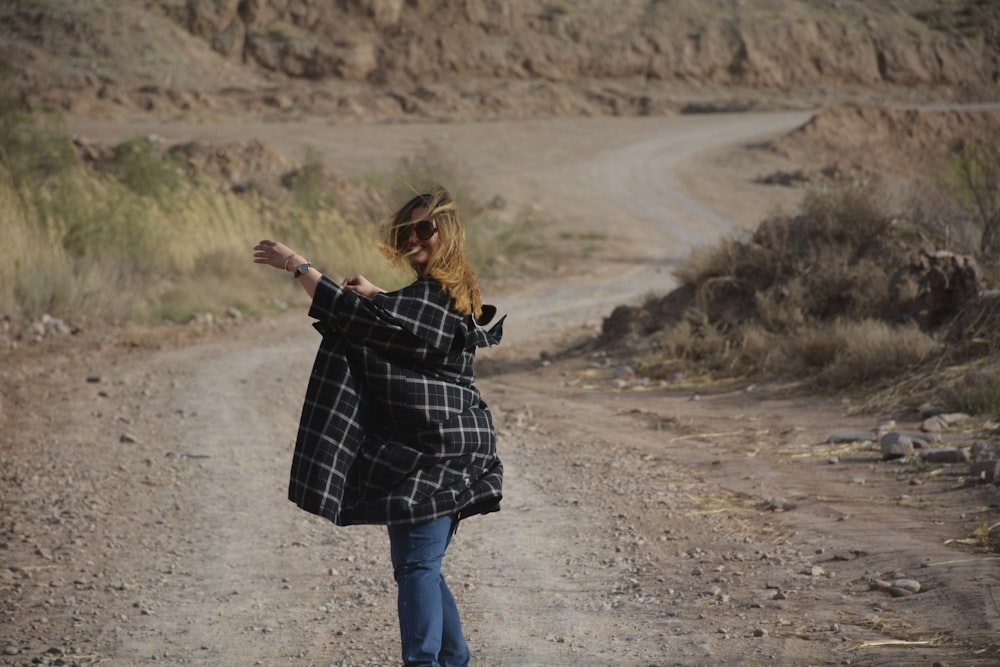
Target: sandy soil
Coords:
[(144, 518)]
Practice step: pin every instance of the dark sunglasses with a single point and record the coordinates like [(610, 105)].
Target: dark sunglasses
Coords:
[(425, 229)]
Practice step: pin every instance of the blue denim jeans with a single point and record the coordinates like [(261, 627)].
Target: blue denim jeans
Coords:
[(429, 626)]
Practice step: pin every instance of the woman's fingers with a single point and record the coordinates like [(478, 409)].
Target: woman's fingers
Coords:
[(272, 252)]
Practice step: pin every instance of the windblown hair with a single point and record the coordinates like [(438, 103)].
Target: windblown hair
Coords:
[(448, 265)]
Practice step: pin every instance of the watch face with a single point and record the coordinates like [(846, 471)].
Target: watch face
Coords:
[(302, 270)]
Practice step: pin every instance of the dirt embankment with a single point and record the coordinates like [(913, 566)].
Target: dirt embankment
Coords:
[(388, 59)]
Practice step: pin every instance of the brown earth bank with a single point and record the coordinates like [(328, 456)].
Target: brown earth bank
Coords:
[(481, 59)]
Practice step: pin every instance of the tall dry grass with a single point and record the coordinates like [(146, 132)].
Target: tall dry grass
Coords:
[(138, 238)]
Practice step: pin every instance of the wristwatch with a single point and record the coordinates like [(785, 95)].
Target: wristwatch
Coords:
[(302, 269)]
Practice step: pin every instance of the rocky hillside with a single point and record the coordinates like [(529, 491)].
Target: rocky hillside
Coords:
[(389, 59)]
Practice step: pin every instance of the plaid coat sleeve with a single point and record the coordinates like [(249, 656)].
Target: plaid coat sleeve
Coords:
[(393, 429)]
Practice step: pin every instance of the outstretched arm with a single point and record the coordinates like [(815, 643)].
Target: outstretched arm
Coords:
[(280, 256)]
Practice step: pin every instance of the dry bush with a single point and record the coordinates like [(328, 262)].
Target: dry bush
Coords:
[(780, 310), (696, 341), (850, 216), (975, 330), (828, 261), (813, 349), (808, 296), (706, 263), (869, 350), (759, 351)]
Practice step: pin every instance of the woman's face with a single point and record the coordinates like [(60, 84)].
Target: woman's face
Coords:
[(419, 251)]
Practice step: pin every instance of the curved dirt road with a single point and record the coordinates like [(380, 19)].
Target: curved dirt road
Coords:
[(145, 512), (626, 178)]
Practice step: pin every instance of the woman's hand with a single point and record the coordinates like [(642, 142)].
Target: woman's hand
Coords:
[(281, 256), (362, 286), (275, 254)]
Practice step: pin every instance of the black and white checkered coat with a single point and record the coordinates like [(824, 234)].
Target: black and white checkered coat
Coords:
[(393, 431)]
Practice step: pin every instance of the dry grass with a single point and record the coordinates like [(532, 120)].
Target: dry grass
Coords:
[(810, 297), (140, 237), (869, 350)]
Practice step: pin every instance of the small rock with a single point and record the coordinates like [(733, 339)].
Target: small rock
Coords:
[(920, 440), (930, 410), (983, 450), (985, 471), (760, 632), (129, 438), (776, 504), (934, 424), (885, 426), (878, 584), (952, 418), (895, 445), (945, 455), (911, 585)]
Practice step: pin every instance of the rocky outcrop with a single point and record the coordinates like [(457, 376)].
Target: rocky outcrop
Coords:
[(491, 58), (793, 43)]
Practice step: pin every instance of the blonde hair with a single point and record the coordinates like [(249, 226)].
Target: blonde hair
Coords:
[(448, 265)]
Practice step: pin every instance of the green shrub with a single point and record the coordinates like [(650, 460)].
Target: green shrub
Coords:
[(309, 183), (976, 394), (33, 147), (138, 166), (974, 178)]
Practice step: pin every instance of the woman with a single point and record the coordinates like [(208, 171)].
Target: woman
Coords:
[(393, 431)]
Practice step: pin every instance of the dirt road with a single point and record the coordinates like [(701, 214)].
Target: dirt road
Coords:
[(144, 514)]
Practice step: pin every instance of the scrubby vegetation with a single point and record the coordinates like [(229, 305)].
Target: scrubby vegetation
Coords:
[(974, 178), (144, 232), (842, 294)]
